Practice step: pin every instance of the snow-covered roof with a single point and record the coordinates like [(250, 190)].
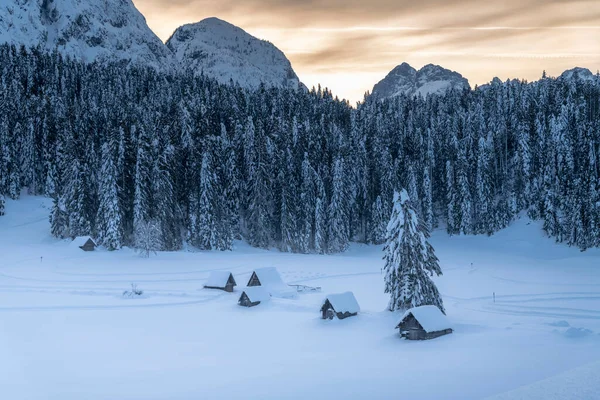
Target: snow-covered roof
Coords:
[(271, 280), (81, 240), (430, 318), (257, 293), (344, 302), (218, 279), (269, 276)]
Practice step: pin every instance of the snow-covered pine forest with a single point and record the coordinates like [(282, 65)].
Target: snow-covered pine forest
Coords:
[(301, 171)]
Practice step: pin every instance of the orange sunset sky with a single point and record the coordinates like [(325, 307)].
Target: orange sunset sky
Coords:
[(349, 45)]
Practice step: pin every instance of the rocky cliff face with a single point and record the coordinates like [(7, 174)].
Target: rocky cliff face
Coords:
[(226, 52), (98, 30)]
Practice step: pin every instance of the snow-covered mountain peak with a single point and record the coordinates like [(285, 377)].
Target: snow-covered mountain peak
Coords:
[(404, 69), (431, 79), (89, 30), (228, 53)]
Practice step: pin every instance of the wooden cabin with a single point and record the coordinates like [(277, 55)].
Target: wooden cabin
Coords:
[(422, 323), (85, 243), (253, 296), (270, 279), (341, 305), (267, 276), (222, 280)]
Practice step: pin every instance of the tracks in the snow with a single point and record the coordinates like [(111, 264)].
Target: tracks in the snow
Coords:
[(551, 305), (316, 278), (111, 307)]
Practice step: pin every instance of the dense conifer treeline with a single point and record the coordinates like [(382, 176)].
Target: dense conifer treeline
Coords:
[(204, 164)]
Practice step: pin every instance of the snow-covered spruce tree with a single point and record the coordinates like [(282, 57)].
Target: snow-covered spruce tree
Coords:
[(108, 218), (229, 191), (320, 219), (338, 211), (378, 221), (464, 195), (483, 191), (412, 190), (1, 204), (77, 201), (5, 156), (167, 209), (427, 201), (205, 231), (259, 195), (287, 212), (142, 198), (409, 259), (59, 219), (307, 207)]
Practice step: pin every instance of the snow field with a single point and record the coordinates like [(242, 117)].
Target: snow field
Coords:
[(67, 333)]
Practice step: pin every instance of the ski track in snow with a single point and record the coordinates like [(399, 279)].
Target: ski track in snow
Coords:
[(515, 307), (334, 276), (522, 282), (106, 307)]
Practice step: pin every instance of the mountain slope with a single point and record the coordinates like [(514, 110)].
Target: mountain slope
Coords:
[(99, 30), (431, 79), (226, 52)]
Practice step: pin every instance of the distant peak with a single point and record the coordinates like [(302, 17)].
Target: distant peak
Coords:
[(431, 79), (214, 21), (403, 68), (210, 24), (433, 67), (577, 73)]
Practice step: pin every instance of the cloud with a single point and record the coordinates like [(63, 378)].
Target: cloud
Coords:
[(340, 13), (326, 39)]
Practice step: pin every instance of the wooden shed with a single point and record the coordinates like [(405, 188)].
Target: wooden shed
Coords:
[(424, 322), (253, 296), (270, 279), (267, 276), (85, 243), (341, 305), (222, 280)]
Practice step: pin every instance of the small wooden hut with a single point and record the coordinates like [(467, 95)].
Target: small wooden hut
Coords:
[(253, 296), (264, 277), (85, 243), (341, 305), (270, 279), (424, 322), (222, 280)]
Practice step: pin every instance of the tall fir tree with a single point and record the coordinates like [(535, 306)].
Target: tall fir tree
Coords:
[(338, 235), (108, 218), (409, 260)]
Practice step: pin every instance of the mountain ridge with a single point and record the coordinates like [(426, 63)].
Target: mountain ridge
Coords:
[(115, 30)]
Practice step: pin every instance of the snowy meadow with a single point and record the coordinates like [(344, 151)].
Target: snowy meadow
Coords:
[(66, 331)]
